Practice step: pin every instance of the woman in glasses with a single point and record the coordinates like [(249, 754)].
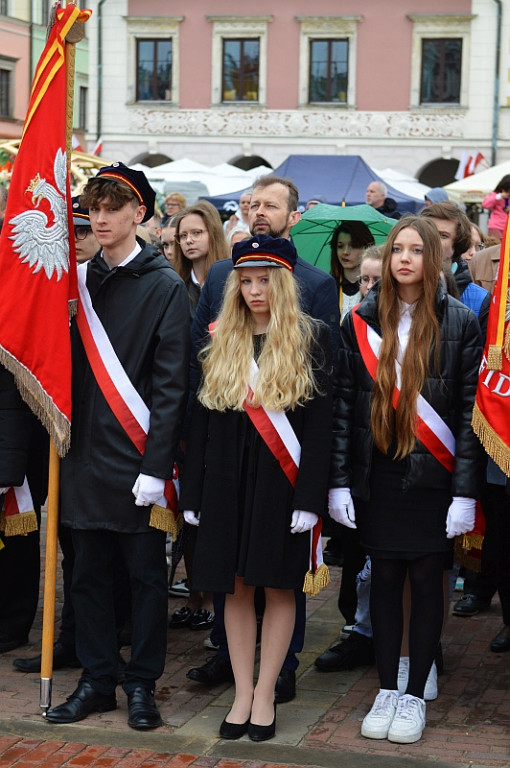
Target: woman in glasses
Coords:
[(370, 269), (349, 241), (199, 242)]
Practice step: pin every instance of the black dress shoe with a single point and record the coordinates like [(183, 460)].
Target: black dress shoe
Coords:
[(262, 732), (62, 657), (233, 730), (82, 702), (180, 618), (356, 651), (10, 643), (285, 688), (143, 712), (216, 670), (501, 643), (470, 605), (202, 619)]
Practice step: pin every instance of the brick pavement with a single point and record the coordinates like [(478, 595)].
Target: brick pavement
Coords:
[(467, 726)]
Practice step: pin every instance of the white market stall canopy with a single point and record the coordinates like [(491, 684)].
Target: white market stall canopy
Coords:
[(216, 180), (473, 188)]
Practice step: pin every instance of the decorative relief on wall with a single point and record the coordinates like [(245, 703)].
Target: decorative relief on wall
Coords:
[(291, 123)]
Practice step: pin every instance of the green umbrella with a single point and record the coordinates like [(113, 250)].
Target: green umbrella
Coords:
[(312, 235)]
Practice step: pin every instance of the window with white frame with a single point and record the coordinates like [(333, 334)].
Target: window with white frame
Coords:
[(440, 60), (327, 59), (153, 55), (239, 59), (7, 68)]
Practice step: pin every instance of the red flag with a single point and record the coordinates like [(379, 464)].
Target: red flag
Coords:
[(98, 146), (37, 260), (491, 414), (75, 144)]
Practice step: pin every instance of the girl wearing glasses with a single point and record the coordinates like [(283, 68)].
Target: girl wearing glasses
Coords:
[(370, 269), (349, 240), (406, 463)]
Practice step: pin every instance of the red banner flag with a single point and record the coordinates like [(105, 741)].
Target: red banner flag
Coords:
[(37, 260), (491, 414)]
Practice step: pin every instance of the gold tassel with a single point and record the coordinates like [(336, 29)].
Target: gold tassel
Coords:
[(472, 541), (163, 519), (2, 545), (494, 358), (19, 525), (314, 582), (72, 305), (491, 441)]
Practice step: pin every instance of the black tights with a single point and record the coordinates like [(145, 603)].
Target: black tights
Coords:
[(386, 612)]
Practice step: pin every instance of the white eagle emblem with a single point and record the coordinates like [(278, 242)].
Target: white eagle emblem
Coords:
[(37, 244)]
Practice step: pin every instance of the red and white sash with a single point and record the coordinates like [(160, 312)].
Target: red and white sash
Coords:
[(18, 515), (128, 406), (431, 429), (276, 431)]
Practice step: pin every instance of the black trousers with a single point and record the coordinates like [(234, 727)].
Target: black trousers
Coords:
[(19, 576), (92, 593)]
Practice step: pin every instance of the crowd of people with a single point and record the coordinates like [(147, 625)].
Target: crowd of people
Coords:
[(283, 397)]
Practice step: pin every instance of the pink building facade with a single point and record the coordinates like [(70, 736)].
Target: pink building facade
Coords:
[(405, 83)]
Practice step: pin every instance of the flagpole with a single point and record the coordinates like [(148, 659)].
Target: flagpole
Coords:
[(75, 34)]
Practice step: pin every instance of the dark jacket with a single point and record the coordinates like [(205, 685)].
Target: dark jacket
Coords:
[(24, 442), (451, 394), (216, 483), (389, 208), (144, 308)]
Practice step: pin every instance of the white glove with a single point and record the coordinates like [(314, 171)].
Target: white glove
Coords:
[(148, 490), (302, 521), (340, 507), (4, 490), (460, 517), (193, 518)]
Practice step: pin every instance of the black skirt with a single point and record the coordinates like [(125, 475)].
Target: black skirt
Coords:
[(401, 523)]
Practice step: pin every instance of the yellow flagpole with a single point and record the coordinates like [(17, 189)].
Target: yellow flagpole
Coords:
[(75, 34)]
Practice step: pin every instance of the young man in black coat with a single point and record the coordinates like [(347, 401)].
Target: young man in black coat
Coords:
[(273, 211), (123, 443)]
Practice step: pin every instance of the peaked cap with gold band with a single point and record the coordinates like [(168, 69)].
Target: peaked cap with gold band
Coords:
[(135, 180), (265, 251), (81, 216)]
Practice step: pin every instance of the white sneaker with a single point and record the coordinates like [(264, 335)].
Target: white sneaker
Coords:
[(430, 692), (409, 720), (377, 723)]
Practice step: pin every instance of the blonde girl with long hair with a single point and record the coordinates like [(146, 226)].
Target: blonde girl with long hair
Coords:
[(408, 363), (254, 523)]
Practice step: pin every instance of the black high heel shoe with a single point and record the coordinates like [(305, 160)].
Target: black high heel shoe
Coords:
[(262, 732), (233, 730)]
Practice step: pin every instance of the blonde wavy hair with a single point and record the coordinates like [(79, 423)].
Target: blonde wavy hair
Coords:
[(387, 422), (286, 365)]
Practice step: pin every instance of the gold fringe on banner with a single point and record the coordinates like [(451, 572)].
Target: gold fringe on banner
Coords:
[(497, 449), (73, 307), (164, 520), (314, 582), (494, 358), (39, 402), (18, 525)]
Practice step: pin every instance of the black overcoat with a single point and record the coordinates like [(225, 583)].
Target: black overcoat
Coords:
[(214, 484), (144, 308)]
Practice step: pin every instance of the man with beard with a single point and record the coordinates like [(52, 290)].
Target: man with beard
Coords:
[(273, 212)]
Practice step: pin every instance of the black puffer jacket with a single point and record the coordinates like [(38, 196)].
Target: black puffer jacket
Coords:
[(451, 394)]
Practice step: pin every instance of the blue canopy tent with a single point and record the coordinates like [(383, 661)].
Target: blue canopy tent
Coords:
[(339, 179)]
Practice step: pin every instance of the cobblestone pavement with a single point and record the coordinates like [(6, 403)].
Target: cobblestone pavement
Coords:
[(467, 726)]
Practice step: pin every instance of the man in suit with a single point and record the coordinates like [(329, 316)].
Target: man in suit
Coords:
[(273, 212)]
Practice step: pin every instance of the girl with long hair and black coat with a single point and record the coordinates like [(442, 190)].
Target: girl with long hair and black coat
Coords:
[(406, 464)]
